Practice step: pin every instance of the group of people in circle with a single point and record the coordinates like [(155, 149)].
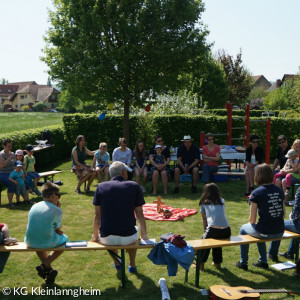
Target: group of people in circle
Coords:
[(159, 157)]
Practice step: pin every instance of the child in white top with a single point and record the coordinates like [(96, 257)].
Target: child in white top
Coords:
[(291, 163), (215, 223)]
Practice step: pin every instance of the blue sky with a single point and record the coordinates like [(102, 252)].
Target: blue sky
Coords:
[(267, 31)]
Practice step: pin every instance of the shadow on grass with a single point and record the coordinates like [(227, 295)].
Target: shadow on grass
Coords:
[(273, 281)]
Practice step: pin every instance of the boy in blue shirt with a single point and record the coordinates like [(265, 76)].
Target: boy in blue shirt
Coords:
[(18, 178)]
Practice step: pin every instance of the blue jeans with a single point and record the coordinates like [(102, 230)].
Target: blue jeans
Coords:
[(207, 172), (11, 187), (244, 249), (3, 255), (291, 225)]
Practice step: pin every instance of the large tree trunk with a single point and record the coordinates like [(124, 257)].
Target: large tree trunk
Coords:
[(126, 120)]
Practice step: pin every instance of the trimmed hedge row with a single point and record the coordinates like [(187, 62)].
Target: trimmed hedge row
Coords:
[(253, 113), (172, 128), (61, 150)]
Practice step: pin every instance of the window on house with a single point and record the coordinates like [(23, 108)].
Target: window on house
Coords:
[(9, 90), (23, 96)]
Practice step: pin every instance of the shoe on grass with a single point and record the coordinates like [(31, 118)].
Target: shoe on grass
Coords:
[(241, 266), (132, 269), (287, 255), (261, 265), (273, 258), (176, 190)]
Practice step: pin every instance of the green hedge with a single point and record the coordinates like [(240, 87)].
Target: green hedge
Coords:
[(60, 151), (172, 128), (253, 113)]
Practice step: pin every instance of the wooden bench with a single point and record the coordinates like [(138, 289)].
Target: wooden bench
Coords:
[(228, 173), (51, 174), (198, 245)]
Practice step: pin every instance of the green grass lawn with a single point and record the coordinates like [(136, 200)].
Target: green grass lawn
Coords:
[(15, 121), (94, 269)]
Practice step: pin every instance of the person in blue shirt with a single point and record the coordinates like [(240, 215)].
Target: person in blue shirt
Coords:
[(18, 178), (101, 162), (267, 201), (43, 230)]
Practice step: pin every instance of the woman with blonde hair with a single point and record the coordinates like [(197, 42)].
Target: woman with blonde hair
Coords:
[(267, 201)]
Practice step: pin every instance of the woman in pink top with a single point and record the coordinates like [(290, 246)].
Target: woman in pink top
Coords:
[(211, 156)]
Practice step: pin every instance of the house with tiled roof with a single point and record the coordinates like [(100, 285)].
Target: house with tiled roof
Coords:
[(261, 81), (17, 94)]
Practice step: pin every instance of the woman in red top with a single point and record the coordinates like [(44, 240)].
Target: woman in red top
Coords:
[(211, 156)]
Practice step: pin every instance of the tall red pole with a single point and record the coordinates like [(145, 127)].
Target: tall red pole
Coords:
[(229, 123), (247, 117), (268, 140)]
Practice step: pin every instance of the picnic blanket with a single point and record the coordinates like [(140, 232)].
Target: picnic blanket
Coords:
[(150, 212)]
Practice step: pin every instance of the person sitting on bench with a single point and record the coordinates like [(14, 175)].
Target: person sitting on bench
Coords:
[(43, 230), (188, 157), (267, 200), (83, 171), (115, 203), (7, 164), (211, 156)]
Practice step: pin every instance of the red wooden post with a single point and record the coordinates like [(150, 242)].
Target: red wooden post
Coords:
[(229, 123), (202, 139), (247, 117), (268, 140), (202, 143)]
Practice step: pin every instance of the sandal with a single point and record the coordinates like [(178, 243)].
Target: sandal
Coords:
[(10, 241), (51, 275), (42, 271)]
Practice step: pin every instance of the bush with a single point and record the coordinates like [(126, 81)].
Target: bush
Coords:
[(25, 108), (39, 107), (172, 128), (60, 151)]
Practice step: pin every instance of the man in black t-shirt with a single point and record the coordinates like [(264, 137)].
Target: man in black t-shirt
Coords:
[(115, 203), (283, 149), (188, 157)]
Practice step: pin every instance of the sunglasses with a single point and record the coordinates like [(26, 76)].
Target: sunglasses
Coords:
[(281, 142), (210, 139), (58, 195), (159, 141), (254, 142)]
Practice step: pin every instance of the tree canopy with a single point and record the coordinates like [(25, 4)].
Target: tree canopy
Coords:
[(237, 76), (125, 51)]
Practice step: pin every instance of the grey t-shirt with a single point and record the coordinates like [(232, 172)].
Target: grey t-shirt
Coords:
[(215, 214)]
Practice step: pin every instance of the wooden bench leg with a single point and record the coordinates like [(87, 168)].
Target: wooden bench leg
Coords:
[(198, 262), (123, 267), (122, 263), (186, 276)]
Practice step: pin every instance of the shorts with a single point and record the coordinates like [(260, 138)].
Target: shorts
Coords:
[(113, 240), (20, 190), (33, 175), (101, 165), (190, 171)]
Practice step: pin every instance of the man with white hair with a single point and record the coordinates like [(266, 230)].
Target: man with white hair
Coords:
[(115, 203)]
